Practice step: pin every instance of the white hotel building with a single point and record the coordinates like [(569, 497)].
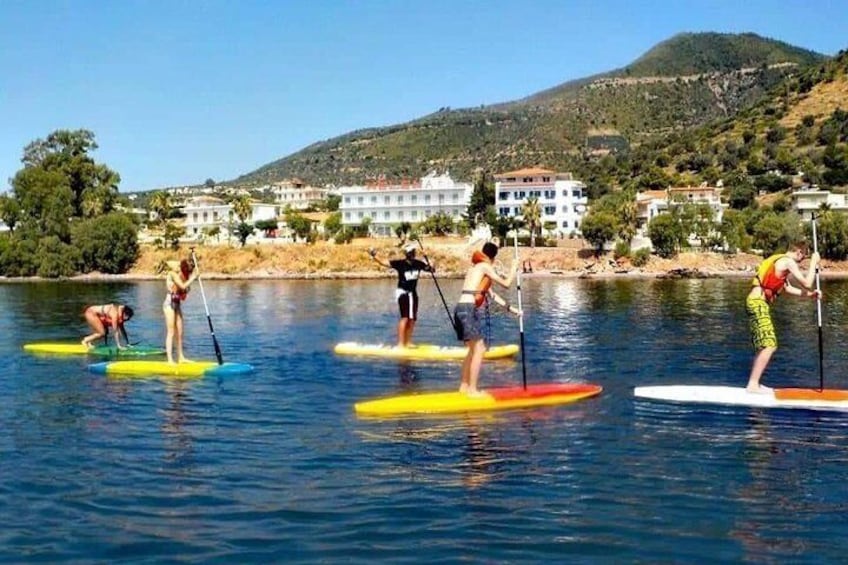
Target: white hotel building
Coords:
[(388, 205), (205, 212), (561, 198)]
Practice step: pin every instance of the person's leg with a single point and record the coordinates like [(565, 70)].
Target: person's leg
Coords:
[(181, 358), (407, 334), (466, 368), (170, 329), (478, 348), (96, 325), (764, 340), (761, 361)]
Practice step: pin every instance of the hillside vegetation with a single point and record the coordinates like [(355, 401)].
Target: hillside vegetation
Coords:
[(685, 82)]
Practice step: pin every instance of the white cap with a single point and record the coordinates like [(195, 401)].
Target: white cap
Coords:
[(408, 248)]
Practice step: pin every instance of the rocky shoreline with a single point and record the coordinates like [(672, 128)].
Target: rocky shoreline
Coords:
[(326, 261)]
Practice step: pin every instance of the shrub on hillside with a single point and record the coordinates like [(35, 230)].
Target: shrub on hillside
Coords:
[(108, 244)]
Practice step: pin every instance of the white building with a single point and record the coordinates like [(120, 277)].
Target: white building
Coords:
[(808, 201), (561, 198), (709, 195), (388, 205), (296, 195), (205, 212)]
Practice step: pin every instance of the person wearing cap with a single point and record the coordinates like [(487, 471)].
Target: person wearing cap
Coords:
[(476, 294), (409, 270)]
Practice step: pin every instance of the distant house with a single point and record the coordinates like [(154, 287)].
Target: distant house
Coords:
[(811, 199), (296, 194), (390, 204), (562, 199), (205, 212), (709, 195)]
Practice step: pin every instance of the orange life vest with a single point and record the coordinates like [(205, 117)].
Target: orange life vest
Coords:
[(767, 278)]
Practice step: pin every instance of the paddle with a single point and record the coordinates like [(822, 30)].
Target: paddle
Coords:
[(521, 315), (818, 308), (206, 306), (442, 296)]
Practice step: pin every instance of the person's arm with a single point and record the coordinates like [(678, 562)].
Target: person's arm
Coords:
[(117, 326), (506, 281), (503, 302), (177, 280), (373, 253), (806, 281), (802, 292)]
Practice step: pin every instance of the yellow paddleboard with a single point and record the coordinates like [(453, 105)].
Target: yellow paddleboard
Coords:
[(423, 351), (502, 398), (190, 369)]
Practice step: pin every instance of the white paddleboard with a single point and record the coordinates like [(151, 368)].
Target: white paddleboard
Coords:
[(808, 398)]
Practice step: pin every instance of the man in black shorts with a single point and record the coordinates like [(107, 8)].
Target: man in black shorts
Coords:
[(408, 269)]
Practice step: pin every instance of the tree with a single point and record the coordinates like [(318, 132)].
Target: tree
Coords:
[(532, 214), (482, 197), (333, 223), (833, 235), (160, 204), (94, 187), (210, 183), (666, 235), (599, 228), (117, 228), (242, 208), (301, 226), (776, 232), (10, 211)]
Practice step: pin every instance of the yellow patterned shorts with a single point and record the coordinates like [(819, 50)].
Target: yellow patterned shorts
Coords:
[(762, 327)]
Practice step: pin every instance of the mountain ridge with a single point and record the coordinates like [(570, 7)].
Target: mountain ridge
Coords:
[(557, 126)]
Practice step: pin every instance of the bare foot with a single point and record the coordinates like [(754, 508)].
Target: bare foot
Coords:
[(475, 393), (760, 389), (463, 388), (185, 360)]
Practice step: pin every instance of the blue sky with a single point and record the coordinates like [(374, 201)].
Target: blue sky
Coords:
[(180, 91)]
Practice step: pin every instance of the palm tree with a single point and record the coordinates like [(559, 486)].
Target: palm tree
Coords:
[(242, 208), (532, 212), (160, 204)]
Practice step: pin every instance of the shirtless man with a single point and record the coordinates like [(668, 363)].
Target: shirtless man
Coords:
[(773, 277), (476, 292)]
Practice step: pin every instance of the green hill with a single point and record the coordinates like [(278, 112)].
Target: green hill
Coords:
[(684, 82)]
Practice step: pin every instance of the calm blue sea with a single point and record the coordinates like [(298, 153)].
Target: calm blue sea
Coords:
[(275, 466)]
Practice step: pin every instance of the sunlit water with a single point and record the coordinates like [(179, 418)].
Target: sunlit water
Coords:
[(275, 466)]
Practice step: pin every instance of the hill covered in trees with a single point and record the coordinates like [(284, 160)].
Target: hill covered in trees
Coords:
[(684, 82)]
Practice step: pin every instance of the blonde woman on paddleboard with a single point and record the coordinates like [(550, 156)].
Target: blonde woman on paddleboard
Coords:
[(772, 278), (180, 275), (469, 310)]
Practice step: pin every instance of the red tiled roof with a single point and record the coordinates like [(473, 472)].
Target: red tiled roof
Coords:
[(528, 172)]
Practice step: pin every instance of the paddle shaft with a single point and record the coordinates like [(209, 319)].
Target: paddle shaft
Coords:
[(438, 288), (218, 354), (520, 315), (818, 308)]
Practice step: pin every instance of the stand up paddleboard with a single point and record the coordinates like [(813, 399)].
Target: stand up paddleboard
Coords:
[(807, 398), (422, 351), (190, 369), (51, 348), (502, 398)]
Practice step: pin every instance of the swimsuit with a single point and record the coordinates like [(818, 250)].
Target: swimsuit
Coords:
[(467, 322), (758, 307)]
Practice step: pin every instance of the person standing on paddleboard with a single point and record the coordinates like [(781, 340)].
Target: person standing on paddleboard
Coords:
[(409, 270), (476, 293), (101, 318), (771, 279), (180, 275)]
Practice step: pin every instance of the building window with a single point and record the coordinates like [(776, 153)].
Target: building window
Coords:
[(456, 197), (400, 214), (565, 223), (387, 215), (400, 198), (215, 215), (347, 215), (546, 179), (414, 213), (373, 200), (195, 216), (441, 198), (527, 179), (503, 211), (414, 198), (522, 195), (360, 200), (575, 193), (565, 209), (358, 214), (427, 198), (385, 200), (205, 217), (347, 199), (550, 210), (503, 196)]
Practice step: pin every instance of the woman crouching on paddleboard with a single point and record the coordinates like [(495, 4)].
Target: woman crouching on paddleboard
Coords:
[(178, 280), (101, 318), (771, 279), (476, 292)]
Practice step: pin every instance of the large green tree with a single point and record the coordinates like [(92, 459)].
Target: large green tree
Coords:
[(59, 190)]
